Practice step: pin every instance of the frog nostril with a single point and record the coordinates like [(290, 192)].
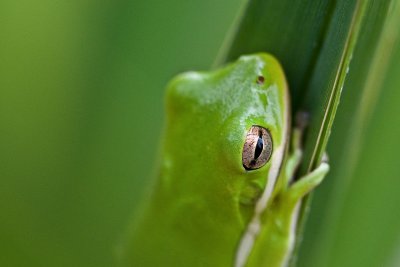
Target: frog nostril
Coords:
[(260, 79)]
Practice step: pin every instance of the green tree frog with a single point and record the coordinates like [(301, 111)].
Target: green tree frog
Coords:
[(225, 193)]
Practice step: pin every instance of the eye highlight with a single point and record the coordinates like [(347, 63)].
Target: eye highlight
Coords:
[(257, 148)]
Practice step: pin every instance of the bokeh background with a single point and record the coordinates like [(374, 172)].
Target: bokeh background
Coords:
[(81, 110)]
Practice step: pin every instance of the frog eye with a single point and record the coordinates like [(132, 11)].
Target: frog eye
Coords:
[(257, 148)]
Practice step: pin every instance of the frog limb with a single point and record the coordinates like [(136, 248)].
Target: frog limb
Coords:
[(307, 183), (275, 242)]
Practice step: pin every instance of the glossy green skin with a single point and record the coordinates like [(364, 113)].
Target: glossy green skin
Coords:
[(203, 198)]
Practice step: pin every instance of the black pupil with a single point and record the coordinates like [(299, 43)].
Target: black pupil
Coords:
[(259, 147)]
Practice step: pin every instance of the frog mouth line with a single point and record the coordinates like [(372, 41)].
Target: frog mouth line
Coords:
[(253, 228)]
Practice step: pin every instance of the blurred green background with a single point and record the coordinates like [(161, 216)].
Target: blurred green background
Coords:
[(81, 110)]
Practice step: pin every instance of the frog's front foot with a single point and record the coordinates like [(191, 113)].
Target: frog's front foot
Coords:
[(307, 183)]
